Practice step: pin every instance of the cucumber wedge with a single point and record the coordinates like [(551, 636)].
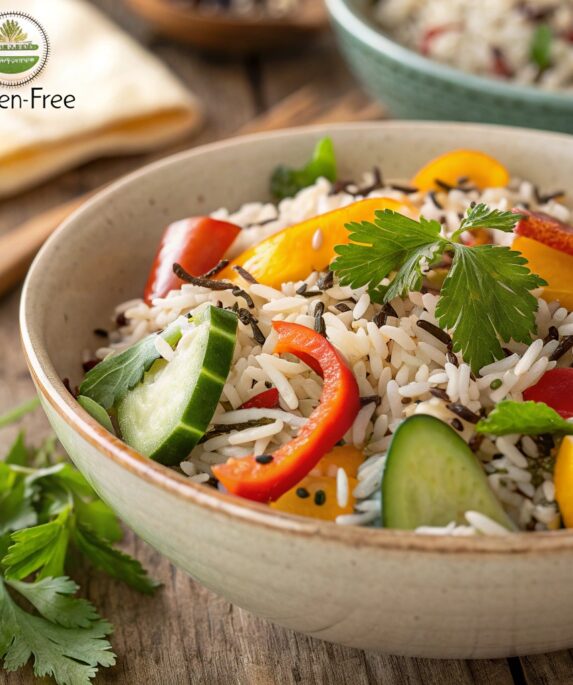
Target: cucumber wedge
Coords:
[(165, 415), (432, 478)]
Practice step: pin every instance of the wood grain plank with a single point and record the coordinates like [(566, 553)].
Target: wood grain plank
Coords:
[(548, 669)]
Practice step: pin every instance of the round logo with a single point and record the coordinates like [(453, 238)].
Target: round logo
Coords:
[(24, 48)]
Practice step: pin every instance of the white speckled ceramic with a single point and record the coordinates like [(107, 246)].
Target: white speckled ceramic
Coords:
[(376, 589)]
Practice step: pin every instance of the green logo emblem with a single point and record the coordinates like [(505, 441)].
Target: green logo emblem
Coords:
[(24, 48)]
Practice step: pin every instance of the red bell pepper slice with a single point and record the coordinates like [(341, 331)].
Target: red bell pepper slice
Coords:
[(270, 477), (555, 388), (197, 244), (268, 399)]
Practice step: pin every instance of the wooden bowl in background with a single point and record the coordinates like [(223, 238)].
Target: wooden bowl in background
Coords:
[(230, 33)]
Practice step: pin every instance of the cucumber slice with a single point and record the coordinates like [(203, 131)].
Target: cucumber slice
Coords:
[(166, 414), (432, 478)]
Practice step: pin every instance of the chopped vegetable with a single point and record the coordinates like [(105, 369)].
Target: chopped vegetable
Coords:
[(197, 244), (541, 46), (554, 266), (525, 418), (555, 388), (339, 405), (286, 182), (432, 478), (485, 296), (167, 414), (547, 230), (110, 380), (44, 513), (563, 479), (478, 168), (289, 255), (268, 399)]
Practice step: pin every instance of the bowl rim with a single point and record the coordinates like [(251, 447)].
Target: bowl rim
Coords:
[(365, 30), (55, 394)]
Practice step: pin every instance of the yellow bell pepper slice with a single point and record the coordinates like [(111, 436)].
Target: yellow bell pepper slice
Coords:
[(323, 479), (480, 169), (563, 479), (322, 506), (289, 255), (554, 266)]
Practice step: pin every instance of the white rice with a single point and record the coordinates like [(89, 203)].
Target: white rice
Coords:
[(399, 362), (488, 37)]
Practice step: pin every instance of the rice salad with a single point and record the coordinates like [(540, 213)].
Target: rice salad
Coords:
[(529, 42), (409, 383)]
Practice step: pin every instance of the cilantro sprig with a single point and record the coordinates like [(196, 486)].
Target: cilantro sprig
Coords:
[(48, 515), (525, 418), (486, 296), (286, 182)]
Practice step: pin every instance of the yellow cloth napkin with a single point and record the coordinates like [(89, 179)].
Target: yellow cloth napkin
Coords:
[(126, 101)]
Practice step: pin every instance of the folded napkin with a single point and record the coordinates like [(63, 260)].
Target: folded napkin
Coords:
[(126, 101)]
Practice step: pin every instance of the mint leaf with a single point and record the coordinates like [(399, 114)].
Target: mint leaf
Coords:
[(392, 243), (111, 379), (39, 549), (525, 418), (112, 561), (540, 50), (51, 597), (69, 655), (286, 182), (485, 298)]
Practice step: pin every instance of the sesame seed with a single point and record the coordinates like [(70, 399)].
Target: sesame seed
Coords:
[(264, 458), (303, 493)]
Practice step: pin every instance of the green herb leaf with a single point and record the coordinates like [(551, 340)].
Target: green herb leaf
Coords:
[(96, 411), (39, 549), (392, 243), (16, 508), (18, 453), (18, 412), (52, 599), (286, 182), (526, 418), (541, 46), (112, 561), (97, 516), (486, 298), (110, 380), (481, 216), (69, 655)]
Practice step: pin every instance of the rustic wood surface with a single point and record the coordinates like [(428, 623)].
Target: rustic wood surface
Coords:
[(186, 634)]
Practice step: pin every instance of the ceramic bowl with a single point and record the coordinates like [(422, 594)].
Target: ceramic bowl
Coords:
[(376, 589), (415, 87)]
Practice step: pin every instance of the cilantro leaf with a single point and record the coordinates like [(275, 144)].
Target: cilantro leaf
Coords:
[(18, 453), (392, 242), (540, 50), (481, 216), (70, 655), (111, 379), (51, 598), (114, 562), (16, 509), (97, 516), (39, 549), (286, 182), (486, 297), (526, 418)]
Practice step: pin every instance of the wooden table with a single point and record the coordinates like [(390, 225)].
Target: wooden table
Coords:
[(186, 634)]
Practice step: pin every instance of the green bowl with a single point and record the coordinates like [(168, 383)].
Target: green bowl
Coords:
[(414, 87)]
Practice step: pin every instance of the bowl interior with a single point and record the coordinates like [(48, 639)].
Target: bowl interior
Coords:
[(101, 255)]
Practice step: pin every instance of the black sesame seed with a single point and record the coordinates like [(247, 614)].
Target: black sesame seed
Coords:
[(301, 289), (457, 424), (101, 332), (342, 307), (264, 458), (303, 493), (319, 497)]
